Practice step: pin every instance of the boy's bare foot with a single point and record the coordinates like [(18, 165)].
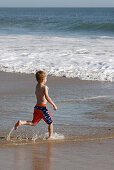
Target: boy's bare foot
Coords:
[(17, 125)]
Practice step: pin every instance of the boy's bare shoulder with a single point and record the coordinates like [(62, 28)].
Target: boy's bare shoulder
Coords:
[(46, 87), (43, 87)]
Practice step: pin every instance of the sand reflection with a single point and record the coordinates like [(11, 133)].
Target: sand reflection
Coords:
[(42, 157), (34, 157)]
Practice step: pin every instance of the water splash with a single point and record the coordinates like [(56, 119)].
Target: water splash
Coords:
[(35, 137), (8, 136), (55, 136), (58, 136)]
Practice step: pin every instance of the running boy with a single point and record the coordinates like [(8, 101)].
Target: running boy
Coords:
[(40, 110)]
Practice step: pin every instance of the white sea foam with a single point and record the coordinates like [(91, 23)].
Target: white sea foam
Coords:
[(88, 58)]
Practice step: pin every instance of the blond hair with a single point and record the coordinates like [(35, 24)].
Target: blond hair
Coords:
[(40, 75)]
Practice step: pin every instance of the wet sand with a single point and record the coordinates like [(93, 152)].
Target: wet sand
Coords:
[(71, 155), (90, 155), (15, 83)]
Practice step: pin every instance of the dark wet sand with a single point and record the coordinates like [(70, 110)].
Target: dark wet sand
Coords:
[(92, 155), (24, 83), (89, 155)]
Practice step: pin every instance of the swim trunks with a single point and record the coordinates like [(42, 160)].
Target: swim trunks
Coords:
[(42, 112)]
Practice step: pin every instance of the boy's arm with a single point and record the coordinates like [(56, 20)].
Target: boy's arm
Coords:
[(49, 99)]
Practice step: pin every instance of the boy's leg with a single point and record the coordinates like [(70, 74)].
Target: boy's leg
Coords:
[(20, 122), (49, 120), (50, 129)]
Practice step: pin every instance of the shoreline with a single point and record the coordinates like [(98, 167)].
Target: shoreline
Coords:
[(24, 84), (50, 77), (10, 80), (80, 154), (24, 142)]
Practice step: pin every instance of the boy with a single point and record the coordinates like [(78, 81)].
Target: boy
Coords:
[(40, 110)]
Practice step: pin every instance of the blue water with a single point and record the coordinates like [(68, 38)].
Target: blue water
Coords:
[(57, 21)]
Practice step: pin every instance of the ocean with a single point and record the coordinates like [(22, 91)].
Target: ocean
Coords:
[(66, 42), (75, 46)]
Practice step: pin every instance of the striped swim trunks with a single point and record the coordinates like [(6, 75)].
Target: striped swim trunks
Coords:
[(42, 112)]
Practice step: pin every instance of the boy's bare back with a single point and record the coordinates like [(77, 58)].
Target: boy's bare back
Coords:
[(42, 90), (40, 94)]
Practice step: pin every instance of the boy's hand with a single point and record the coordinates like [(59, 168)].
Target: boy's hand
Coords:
[(55, 107)]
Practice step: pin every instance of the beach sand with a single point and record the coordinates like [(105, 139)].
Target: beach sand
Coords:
[(90, 155), (52, 155)]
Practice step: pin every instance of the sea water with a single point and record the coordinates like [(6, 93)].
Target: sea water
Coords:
[(85, 111), (70, 42), (67, 42)]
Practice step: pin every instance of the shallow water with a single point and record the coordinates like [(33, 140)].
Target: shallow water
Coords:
[(85, 111)]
